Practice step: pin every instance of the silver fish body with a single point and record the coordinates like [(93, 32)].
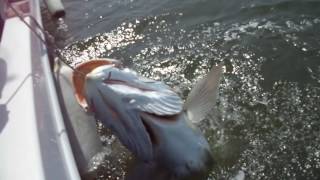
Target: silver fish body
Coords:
[(150, 119)]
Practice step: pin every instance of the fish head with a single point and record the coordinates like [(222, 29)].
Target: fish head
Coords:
[(178, 146), (108, 91), (79, 77)]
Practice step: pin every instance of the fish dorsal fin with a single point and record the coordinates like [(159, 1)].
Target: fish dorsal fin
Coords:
[(202, 97)]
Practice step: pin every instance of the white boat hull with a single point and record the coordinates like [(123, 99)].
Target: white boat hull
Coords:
[(34, 143)]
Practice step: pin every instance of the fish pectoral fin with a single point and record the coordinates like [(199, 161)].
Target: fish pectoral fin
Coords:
[(202, 97)]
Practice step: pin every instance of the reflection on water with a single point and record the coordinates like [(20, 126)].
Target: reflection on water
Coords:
[(266, 123)]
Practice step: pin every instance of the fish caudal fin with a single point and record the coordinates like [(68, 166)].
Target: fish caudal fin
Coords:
[(202, 97)]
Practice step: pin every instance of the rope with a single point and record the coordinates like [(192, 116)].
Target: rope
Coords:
[(47, 36)]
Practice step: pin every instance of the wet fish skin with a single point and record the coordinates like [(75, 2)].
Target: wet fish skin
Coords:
[(151, 120)]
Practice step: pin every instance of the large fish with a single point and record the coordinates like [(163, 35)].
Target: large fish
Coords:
[(148, 117)]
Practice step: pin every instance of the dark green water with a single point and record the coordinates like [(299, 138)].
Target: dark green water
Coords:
[(267, 120)]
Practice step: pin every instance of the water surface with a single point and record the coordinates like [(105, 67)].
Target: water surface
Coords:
[(267, 121)]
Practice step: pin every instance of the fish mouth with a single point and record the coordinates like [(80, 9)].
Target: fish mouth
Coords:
[(147, 117), (79, 77), (151, 132), (192, 170), (177, 147)]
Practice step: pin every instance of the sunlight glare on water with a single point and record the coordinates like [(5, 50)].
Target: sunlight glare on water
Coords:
[(266, 121)]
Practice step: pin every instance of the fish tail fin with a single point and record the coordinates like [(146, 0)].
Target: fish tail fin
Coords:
[(200, 101)]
